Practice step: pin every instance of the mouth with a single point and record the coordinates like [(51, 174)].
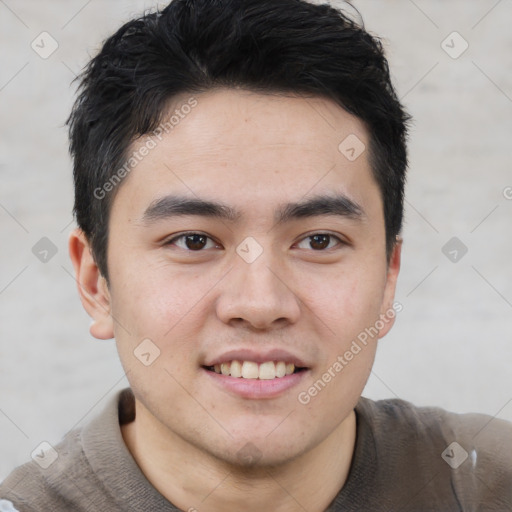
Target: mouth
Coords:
[(268, 370)]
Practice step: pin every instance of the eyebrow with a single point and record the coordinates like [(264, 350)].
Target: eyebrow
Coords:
[(174, 206), (339, 205)]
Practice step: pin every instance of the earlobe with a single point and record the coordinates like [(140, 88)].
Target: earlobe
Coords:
[(92, 286), (388, 312)]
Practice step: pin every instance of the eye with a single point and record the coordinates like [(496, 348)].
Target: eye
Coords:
[(320, 242), (195, 242)]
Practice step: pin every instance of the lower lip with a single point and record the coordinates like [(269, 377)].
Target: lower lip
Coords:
[(255, 388)]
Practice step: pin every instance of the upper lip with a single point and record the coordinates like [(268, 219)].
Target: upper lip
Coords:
[(257, 357)]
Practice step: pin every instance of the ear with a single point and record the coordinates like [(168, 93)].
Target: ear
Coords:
[(388, 312), (92, 286)]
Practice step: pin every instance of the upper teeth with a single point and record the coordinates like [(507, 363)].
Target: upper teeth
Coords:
[(251, 370)]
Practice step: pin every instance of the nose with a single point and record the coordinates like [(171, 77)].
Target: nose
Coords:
[(258, 295)]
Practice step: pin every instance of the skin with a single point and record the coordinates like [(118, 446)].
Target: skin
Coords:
[(254, 153)]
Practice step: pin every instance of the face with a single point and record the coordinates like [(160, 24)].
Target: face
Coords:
[(246, 243)]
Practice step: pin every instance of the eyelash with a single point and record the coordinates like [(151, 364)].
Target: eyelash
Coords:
[(173, 240)]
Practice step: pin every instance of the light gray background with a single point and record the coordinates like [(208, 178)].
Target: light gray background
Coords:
[(451, 345)]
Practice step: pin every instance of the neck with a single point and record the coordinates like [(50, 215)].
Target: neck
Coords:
[(193, 480)]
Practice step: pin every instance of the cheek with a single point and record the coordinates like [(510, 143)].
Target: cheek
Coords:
[(164, 306), (347, 301), (152, 299), (348, 306)]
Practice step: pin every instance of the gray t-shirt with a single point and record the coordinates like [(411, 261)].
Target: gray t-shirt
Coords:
[(406, 458)]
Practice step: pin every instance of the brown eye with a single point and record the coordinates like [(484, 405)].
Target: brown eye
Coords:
[(193, 242), (319, 242)]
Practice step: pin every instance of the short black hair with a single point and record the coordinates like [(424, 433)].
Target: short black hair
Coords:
[(192, 46)]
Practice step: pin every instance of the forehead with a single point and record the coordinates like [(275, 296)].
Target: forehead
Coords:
[(250, 149), (226, 120)]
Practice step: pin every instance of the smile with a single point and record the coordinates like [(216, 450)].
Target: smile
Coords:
[(268, 370)]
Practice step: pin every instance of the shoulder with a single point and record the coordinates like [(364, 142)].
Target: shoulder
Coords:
[(435, 420), (45, 482), (70, 475), (472, 431), (473, 452), (88, 470), (480, 453)]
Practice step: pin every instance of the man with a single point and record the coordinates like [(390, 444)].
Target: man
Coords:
[(239, 171)]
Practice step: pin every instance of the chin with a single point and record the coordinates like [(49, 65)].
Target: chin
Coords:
[(259, 452)]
